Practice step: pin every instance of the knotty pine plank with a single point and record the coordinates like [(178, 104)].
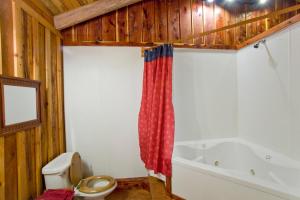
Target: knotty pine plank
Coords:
[(2, 167), (173, 20), (49, 110), (122, 30), (239, 31), (209, 21), (54, 97), (42, 77), (94, 29), (148, 21), (229, 34), (22, 160), (20, 31), (68, 34), (81, 32), (10, 167), (198, 22), (219, 17), (28, 51), (6, 14), (135, 20), (185, 20), (30, 150), (60, 97), (39, 160), (109, 27), (40, 132), (161, 21)]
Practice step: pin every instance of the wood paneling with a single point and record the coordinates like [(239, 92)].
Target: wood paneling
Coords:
[(148, 21), (6, 36), (165, 21), (34, 52), (87, 12), (161, 21), (173, 20), (135, 23), (60, 6), (185, 19)]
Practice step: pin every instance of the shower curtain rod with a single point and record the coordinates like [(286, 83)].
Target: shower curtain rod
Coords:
[(195, 36)]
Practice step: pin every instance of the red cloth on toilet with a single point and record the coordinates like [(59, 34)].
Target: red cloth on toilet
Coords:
[(57, 195)]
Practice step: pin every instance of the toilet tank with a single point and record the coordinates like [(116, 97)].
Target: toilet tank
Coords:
[(56, 172)]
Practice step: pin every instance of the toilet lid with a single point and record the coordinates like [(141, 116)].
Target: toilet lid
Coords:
[(75, 169), (96, 184)]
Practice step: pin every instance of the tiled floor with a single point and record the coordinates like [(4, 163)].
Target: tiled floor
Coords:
[(157, 192)]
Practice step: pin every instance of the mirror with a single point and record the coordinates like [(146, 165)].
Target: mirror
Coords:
[(20, 104)]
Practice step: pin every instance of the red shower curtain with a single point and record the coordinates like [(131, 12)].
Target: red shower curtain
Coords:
[(156, 117)]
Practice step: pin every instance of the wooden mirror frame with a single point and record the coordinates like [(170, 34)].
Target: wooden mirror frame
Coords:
[(13, 81)]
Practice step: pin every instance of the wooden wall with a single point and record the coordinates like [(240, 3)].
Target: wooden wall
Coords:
[(31, 49), (170, 20)]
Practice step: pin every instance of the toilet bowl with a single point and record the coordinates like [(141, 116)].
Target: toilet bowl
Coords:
[(65, 171)]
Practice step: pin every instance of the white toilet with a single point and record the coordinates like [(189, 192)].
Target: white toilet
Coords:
[(65, 171)]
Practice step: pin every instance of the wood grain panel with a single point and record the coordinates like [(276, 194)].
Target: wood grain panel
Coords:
[(94, 29), (90, 11), (109, 27), (6, 14), (198, 21), (2, 171), (164, 21), (59, 6), (122, 29), (209, 22), (135, 25), (161, 21), (82, 32), (185, 20), (148, 21), (173, 20), (23, 154), (220, 21), (10, 168)]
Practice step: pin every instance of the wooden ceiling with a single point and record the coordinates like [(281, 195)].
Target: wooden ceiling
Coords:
[(61, 6)]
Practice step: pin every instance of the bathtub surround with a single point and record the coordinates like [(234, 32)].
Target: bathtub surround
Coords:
[(205, 94), (156, 117), (252, 93), (269, 92)]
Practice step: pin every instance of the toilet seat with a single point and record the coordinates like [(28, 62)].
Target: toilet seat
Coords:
[(93, 186), (96, 184), (107, 192)]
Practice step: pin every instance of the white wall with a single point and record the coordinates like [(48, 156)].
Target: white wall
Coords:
[(102, 100), (269, 93), (205, 94)]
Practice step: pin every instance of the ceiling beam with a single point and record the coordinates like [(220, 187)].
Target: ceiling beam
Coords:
[(89, 11)]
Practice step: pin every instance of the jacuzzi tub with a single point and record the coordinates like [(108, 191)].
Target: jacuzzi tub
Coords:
[(233, 169)]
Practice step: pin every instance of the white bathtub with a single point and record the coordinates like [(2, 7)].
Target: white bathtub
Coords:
[(233, 169)]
